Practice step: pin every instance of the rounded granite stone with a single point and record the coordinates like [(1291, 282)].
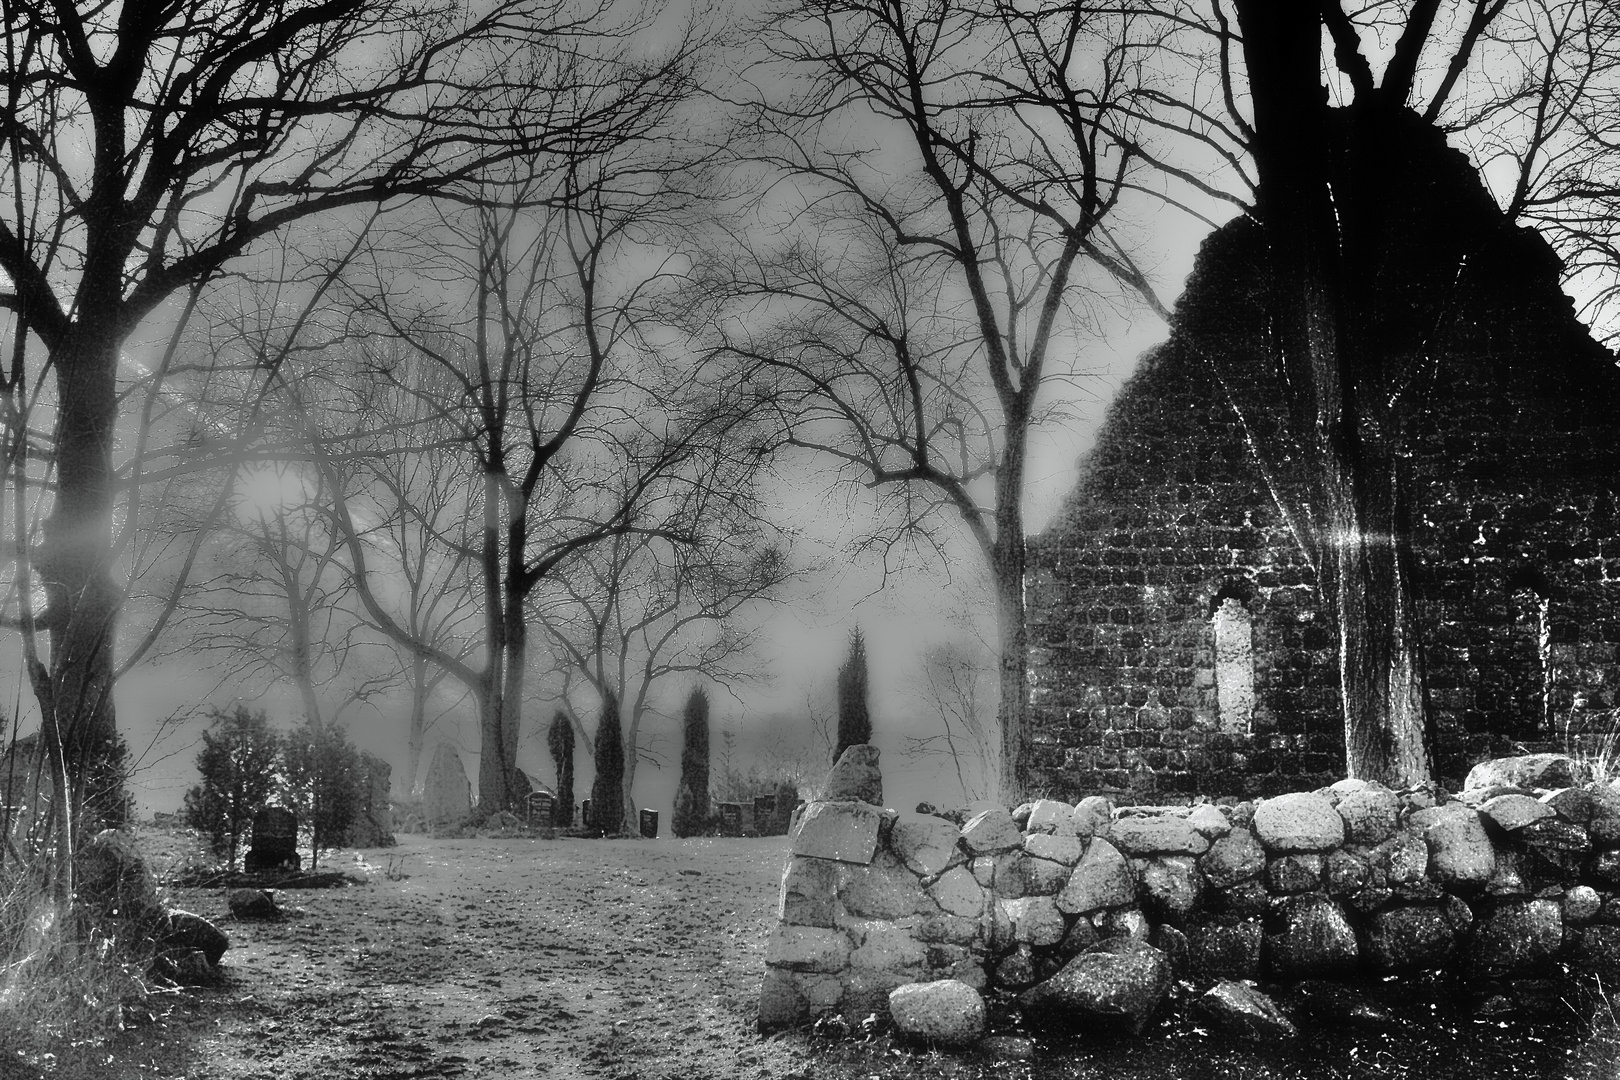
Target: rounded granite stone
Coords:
[(1301, 822)]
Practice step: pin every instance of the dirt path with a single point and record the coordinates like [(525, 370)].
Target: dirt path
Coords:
[(500, 958)]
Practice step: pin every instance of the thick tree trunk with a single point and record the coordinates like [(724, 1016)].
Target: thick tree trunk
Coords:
[(1007, 565), (1379, 674), (494, 774), (75, 567), (418, 732), (1340, 406)]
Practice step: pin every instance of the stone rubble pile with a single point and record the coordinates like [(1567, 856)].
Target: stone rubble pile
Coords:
[(1089, 913)]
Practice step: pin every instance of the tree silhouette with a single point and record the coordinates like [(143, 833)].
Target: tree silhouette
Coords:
[(854, 718), (692, 796), (607, 790), (237, 764), (560, 738)]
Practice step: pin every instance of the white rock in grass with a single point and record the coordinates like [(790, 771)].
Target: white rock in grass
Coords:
[(946, 1012)]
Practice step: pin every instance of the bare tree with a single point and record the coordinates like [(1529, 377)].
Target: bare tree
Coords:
[(928, 294), (146, 147), (666, 601), (546, 381), (952, 685)]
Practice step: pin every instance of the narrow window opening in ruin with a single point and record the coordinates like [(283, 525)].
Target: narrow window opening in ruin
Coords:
[(1234, 665)]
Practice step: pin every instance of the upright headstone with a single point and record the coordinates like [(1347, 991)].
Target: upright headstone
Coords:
[(539, 807), (765, 815), (585, 813), (373, 824), (275, 841), (521, 787), (649, 824), (731, 823), (446, 795)]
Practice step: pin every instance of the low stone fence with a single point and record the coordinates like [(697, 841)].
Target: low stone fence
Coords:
[(1519, 871)]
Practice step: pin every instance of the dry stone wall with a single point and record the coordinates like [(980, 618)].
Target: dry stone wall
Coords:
[(1093, 902)]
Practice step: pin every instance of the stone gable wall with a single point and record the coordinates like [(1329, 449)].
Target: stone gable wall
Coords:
[(1520, 871), (1514, 447)]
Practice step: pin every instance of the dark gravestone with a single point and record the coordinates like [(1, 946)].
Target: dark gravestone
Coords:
[(649, 824), (731, 823), (540, 807), (275, 841), (765, 814), (585, 813)]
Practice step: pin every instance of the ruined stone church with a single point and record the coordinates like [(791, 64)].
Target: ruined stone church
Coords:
[(1179, 641)]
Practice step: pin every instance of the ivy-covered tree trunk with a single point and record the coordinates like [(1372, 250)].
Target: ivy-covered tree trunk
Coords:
[(1320, 242)]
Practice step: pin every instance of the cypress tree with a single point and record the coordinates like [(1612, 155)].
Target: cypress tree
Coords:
[(692, 796), (238, 768), (854, 720), (607, 793), (560, 738)]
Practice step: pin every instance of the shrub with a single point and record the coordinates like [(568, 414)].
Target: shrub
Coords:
[(854, 720), (561, 740), (692, 795), (607, 792), (237, 764), (321, 772)]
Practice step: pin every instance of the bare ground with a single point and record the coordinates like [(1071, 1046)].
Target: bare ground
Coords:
[(485, 958)]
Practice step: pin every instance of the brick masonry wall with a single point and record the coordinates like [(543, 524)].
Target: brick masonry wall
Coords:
[(1513, 442)]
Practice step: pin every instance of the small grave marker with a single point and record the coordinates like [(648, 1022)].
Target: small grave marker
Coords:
[(731, 823), (275, 841), (765, 814), (539, 807), (649, 824)]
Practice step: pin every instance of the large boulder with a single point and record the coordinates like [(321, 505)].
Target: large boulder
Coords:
[(843, 831), (808, 948), (1244, 1011), (1235, 857), (809, 892), (1221, 951), (1528, 771), (1460, 852), (1309, 936), (945, 1012), (1055, 848), (1370, 814), (1093, 816), (1119, 983), (182, 932), (1512, 812), (1169, 886), (1302, 821), (1035, 920), (925, 843), (1407, 938), (958, 893), (1157, 835), (1103, 879), (883, 889), (855, 776), (991, 832), (1516, 937), (252, 904), (1051, 817)]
